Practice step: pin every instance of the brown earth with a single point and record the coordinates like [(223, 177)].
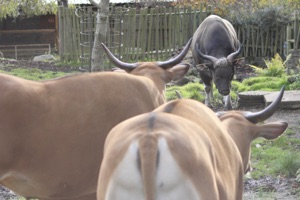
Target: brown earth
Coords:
[(280, 188)]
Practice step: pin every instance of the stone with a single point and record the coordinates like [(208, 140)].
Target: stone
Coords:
[(46, 57)]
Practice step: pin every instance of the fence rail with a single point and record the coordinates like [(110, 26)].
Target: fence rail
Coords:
[(155, 33), (25, 50)]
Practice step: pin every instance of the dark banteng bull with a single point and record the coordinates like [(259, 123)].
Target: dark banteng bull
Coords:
[(183, 150), (52, 133), (215, 46)]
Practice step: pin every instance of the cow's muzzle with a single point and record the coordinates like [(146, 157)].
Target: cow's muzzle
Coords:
[(224, 92)]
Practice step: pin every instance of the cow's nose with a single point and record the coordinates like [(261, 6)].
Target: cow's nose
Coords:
[(224, 92)]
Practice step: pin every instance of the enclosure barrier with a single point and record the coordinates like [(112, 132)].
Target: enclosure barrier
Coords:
[(146, 33), (155, 33), (24, 50)]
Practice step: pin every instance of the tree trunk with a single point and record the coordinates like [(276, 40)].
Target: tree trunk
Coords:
[(101, 31)]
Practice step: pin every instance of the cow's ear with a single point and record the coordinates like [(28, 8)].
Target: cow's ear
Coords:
[(178, 71), (271, 130)]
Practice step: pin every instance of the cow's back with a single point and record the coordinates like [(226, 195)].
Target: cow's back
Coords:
[(216, 37)]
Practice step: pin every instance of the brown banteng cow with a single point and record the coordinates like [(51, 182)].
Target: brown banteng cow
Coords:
[(214, 47), (52, 133), (182, 150)]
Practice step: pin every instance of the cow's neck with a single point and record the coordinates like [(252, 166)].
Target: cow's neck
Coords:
[(239, 132)]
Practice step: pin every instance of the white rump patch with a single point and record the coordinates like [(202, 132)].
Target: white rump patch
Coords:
[(171, 183), (126, 182)]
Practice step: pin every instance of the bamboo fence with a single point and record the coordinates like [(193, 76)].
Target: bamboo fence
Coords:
[(155, 33)]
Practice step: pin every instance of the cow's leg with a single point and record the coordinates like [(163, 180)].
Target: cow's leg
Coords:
[(206, 77), (227, 102), (208, 95)]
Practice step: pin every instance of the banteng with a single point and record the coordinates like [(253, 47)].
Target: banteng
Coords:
[(53, 132), (214, 47), (182, 150)]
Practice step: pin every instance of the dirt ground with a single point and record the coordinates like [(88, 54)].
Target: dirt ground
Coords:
[(279, 188)]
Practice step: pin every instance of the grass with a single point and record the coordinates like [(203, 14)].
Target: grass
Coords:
[(278, 157), (190, 90), (34, 74)]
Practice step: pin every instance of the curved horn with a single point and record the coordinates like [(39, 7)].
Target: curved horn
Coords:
[(267, 112), (117, 62), (231, 56), (174, 61), (207, 57)]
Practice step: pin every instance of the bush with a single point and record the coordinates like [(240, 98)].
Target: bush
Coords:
[(256, 13), (275, 67)]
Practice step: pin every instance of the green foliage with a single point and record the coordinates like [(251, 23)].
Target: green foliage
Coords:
[(265, 83), (25, 8), (271, 78), (275, 67), (239, 87), (258, 13), (296, 84)]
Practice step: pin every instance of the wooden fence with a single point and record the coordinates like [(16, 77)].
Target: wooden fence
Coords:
[(293, 33), (154, 34), (144, 34), (293, 44), (261, 42)]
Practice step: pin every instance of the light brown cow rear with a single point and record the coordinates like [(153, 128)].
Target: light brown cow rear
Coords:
[(182, 150), (52, 133)]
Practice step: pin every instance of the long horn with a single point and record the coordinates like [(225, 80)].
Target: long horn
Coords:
[(232, 56), (207, 57), (174, 61), (267, 112), (117, 62)]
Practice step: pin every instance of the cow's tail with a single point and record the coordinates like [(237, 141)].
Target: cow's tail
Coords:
[(148, 161)]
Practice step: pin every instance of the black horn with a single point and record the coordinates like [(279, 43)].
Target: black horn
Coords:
[(117, 62), (267, 112), (174, 61), (207, 57), (233, 55)]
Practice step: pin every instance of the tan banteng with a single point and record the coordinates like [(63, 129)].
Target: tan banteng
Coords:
[(182, 150)]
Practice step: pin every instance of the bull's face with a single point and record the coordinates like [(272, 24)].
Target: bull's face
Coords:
[(223, 72), (222, 69)]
